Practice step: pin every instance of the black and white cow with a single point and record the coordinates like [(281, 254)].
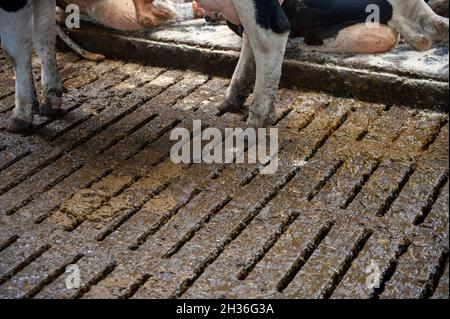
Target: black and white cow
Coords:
[(24, 23), (342, 25)]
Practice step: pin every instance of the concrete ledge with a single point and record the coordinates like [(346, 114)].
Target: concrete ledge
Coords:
[(216, 51)]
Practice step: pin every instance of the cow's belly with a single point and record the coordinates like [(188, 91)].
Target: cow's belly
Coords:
[(324, 19), (115, 14)]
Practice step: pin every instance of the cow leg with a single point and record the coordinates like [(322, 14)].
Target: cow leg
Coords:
[(44, 38), (359, 38), (269, 53), (269, 46), (16, 40), (243, 79)]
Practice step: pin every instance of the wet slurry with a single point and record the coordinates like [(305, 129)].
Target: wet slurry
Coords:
[(357, 209)]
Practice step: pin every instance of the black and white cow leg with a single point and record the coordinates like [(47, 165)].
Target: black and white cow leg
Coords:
[(44, 38), (17, 44), (267, 29), (243, 80)]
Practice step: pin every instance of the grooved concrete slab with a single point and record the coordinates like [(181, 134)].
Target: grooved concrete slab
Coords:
[(360, 197)]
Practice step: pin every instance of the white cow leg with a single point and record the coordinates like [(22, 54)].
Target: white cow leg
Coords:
[(17, 46), (243, 80), (44, 38), (269, 49)]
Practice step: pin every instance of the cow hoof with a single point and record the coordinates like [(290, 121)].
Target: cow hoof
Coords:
[(420, 43), (18, 126), (226, 106), (51, 106), (424, 44)]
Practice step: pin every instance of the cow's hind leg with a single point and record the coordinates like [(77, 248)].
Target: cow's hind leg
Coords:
[(243, 80), (267, 29), (419, 25), (17, 45), (269, 54), (44, 38)]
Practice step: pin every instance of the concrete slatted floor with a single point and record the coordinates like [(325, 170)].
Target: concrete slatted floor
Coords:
[(359, 186)]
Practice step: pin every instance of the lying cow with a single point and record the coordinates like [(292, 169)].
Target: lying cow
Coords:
[(327, 25), (342, 26), (133, 15)]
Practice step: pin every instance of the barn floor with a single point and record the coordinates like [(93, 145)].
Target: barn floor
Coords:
[(362, 189)]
